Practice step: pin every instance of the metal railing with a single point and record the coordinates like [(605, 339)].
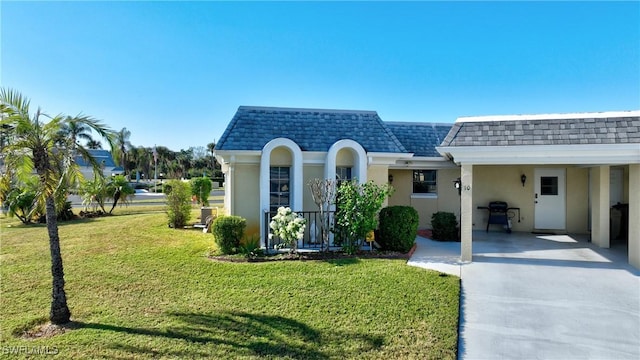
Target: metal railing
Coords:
[(312, 238)]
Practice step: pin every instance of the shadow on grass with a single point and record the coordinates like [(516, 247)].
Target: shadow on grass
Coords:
[(343, 262), (240, 334), (61, 223), (75, 221)]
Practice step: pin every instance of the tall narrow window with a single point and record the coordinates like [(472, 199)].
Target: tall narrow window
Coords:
[(279, 188), (424, 181), (343, 173)]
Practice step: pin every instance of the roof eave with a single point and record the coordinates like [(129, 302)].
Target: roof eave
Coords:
[(584, 154)]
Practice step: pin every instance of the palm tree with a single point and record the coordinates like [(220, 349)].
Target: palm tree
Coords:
[(184, 158), (73, 131), (120, 148), (212, 148), (33, 147), (93, 144), (165, 156)]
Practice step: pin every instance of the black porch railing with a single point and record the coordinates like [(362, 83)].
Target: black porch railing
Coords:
[(312, 238)]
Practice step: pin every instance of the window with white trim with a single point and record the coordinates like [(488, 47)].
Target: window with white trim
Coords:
[(424, 181), (279, 187), (343, 173)]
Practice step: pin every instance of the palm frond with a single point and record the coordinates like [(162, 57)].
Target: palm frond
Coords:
[(13, 103)]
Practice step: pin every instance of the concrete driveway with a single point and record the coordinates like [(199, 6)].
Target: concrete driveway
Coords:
[(528, 296)]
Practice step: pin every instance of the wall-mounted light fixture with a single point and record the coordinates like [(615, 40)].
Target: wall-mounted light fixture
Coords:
[(457, 183), (390, 178), (523, 178)]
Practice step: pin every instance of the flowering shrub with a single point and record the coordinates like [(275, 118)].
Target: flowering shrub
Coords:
[(288, 226)]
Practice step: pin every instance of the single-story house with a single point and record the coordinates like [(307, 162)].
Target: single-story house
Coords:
[(104, 158), (563, 172)]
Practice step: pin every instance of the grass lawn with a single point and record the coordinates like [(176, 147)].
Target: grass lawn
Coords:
[(138, 289)]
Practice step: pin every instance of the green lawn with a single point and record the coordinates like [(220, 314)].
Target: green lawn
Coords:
[(140, 290)]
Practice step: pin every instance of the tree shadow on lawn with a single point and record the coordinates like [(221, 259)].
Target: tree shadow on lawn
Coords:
[(343, 262), (246, 334), (76, 221), (61, 223)]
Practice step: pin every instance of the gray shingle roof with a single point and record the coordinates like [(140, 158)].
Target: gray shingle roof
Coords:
[(420, 139), (312, 129), (573, 131)]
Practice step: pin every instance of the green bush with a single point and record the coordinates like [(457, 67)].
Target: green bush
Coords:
[(398, 228), (201, 187), (250, 247), (178, 203), (227, 232), (22, 204), (358, 207), (444, 226)]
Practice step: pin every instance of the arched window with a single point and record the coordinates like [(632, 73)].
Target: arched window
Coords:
[(280, 177), (344, 157)]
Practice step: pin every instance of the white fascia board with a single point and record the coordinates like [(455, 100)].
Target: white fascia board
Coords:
[(238, 156), (591, 115), (544, 154), (424, 163), (382, 158)]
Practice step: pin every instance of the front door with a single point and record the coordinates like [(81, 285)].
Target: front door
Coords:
[(550, 199)]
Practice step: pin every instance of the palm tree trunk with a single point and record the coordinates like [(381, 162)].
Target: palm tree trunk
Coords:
[(60, 313)]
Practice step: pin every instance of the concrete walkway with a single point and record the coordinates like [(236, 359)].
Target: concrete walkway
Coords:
[(528, 296)]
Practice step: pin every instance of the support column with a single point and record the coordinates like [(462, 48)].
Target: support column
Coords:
[(634, 215), (229, 178), (466, 212), (600, 206)]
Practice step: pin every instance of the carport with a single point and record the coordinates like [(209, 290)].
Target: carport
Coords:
[(536, 296), (557, 168)]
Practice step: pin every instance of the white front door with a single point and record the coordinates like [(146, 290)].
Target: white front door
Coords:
[(550, 199)]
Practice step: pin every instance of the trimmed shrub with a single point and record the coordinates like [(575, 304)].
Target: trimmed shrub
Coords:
[(227, 232), (178, 203), (201, 187), (444, 226), (398, 228)]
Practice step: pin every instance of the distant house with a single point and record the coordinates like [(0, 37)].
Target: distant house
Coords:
[(563, 172), (104, 158)]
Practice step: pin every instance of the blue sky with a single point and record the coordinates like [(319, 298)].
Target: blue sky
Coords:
[(174, 73)]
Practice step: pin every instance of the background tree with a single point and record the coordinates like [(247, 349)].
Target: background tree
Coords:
[(211, 147), (199, 162), (144, 161), (323, 192), (72, 131), (94, 144), (201, 187), (33, 147), (120, 148), (185, 160)]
